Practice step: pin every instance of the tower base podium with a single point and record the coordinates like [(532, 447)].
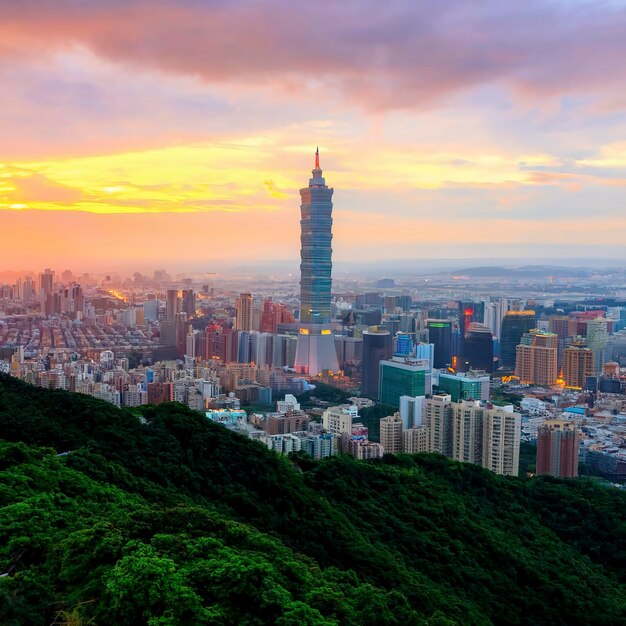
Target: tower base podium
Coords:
[(315, 350)]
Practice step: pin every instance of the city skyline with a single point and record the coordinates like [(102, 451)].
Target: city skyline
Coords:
[(452, 132)]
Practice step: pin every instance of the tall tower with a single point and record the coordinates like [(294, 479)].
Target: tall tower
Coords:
[(316, 347)]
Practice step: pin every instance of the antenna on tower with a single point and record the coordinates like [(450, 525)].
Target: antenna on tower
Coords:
[(317, 158)]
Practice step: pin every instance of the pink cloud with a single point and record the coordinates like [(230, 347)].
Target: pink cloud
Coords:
[(398, 55)]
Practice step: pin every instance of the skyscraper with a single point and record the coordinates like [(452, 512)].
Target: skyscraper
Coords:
[(316, 347), (377, 346), (478, 348), (440, 335), (316, 252), (514, 325), (243, 306)]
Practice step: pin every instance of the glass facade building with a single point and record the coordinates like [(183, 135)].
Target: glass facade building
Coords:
[(315, 251), (377, 346), (440, 335), (514, 325), (315, 349), (478, 349), (403, 378)]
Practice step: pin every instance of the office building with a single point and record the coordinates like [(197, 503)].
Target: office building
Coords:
[(377, 346), (597, 337), (472, 385), (440, 335), (558, 442), (188, 302), (514, 325), (151, 309), (315, 351), (46, 281), (477, 349), (172, 304), (537, 357), (403, 377), (403, 344)]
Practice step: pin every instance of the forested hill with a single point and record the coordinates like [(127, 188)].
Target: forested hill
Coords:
[(170, 519)]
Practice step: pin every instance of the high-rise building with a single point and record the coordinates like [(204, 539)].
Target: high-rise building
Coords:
[(597, 337), (468, 312), (558, 442), (268, 317), (46, 281), (189, 302), (415, 440), (440, 335), (536, 358), (467, 431), (402, 344), (243, 306), (501, 440), (478, 348), (391, 433), (403, 377), (377, 346), (172, 304), (559, 324), (577, 365), (514, 325), (151, 309), (412, 411), (438, 417), (315, 351), (472, 385), (494, 312)]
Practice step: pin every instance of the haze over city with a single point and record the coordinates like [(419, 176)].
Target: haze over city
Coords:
[(176, 133)]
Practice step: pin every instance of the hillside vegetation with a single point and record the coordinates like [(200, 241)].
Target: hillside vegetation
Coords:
[(165, 518)]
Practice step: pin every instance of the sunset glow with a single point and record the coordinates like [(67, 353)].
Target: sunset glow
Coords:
[(471, 145)]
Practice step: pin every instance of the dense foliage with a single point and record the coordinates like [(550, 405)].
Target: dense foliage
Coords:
[(323, 393), (166, 518)]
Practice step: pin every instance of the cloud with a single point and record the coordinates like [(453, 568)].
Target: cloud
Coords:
[(403, 54), (20, 188)]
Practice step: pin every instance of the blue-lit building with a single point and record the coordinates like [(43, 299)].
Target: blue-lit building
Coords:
[(315, 350)]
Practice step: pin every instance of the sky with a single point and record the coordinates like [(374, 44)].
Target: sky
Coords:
[(176, 133)]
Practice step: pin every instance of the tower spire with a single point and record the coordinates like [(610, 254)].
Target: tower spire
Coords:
[(317, 158)]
